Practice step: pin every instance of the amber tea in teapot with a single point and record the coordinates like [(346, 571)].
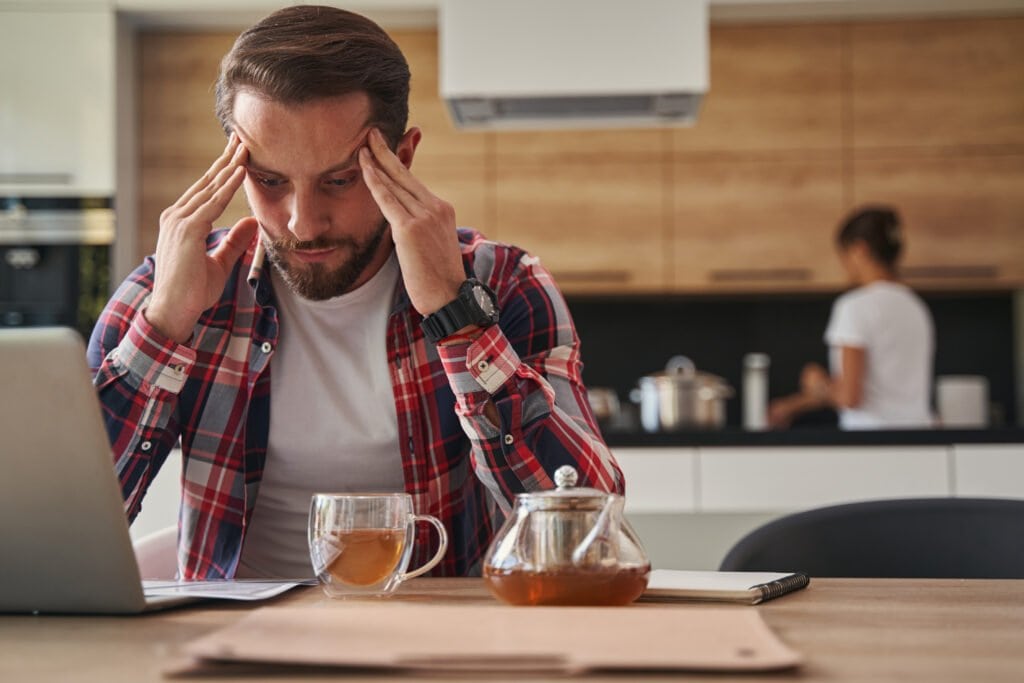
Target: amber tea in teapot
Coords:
[(568, 587)]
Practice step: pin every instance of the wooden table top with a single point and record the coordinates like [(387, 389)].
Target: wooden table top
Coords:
[(846, 629)]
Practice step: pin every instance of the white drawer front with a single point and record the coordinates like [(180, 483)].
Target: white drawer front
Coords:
[(989, 470), (784, 479), (658, 480)]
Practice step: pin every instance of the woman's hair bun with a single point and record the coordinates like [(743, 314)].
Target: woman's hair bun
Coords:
[(879, 227)]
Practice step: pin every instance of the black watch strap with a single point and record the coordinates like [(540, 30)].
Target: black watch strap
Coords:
[(461, 312), (447, 321)]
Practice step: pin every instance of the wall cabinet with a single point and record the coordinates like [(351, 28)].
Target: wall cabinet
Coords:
[(596, 227), (775, 89), (963, 216), (763, 225), (938, 84), (57, 107)]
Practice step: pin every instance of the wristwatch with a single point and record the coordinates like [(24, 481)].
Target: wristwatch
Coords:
[(475, 304)]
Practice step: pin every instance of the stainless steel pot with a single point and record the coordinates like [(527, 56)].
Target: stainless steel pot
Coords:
[(681, 398)]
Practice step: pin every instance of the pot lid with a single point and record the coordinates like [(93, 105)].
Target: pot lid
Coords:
[(681, 370), (567, 495)]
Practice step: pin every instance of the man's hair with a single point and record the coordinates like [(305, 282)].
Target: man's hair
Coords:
[(305, 53), (879, 228)]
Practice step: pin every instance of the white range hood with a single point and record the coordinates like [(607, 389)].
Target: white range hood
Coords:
[(573, 63)]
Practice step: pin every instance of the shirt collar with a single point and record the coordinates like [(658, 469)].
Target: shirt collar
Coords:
[(259, 279)]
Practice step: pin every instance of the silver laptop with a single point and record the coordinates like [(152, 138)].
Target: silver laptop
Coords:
[(64, 542)]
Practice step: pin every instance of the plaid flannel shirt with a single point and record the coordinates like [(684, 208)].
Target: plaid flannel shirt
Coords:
[(213, 394)]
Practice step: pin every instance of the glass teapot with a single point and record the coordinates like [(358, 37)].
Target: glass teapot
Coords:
[(570, 546)]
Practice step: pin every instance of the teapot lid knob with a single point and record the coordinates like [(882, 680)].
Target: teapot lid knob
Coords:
[(566, 477)]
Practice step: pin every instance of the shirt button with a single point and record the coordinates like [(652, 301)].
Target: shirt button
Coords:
[(482, 366), (179, 370), (266, 347), (509, 439), (146, 446)]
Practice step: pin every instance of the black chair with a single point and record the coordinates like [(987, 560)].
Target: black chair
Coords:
[(978, 538)]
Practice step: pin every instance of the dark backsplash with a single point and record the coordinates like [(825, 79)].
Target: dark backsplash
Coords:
[(626, 337)]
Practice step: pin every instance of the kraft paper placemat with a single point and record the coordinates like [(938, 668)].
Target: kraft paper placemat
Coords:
[(500, 639)]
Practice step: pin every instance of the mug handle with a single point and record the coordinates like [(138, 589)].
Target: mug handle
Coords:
[(442, 534)]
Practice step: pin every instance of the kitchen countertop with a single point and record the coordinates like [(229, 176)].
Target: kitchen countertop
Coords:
[(734, 436)]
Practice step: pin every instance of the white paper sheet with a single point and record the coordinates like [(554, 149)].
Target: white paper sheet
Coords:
[(220, 589)]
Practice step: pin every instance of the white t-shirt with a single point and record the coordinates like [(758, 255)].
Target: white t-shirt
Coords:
[(333, 425), (894, 327)]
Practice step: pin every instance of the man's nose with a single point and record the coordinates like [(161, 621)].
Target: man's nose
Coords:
[(308, 219)]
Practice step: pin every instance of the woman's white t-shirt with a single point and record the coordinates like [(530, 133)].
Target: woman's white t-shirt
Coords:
[(894, 328)]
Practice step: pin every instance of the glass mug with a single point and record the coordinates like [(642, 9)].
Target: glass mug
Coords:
[(360, 543)]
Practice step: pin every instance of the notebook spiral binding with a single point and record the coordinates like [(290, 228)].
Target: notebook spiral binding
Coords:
[(783, 586)]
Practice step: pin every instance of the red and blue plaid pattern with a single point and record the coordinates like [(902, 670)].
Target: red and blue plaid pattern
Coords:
[(213, 395)]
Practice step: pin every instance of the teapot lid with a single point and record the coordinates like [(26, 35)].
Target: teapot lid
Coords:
[(567, 495)]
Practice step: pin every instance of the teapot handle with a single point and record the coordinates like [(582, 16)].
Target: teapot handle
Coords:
[(606, 531)]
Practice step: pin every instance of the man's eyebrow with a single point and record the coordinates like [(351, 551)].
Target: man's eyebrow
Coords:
[(343, 166)]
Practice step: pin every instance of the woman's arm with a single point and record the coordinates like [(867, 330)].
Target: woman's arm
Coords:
[(820, 390), (847, 390)]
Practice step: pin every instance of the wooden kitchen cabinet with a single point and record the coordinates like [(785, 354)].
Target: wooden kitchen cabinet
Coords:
[(179, 135), (441, 141), (597, 227), (938, 83), (964, 216), (755, 225), (626, 145), (465, 186), (454, 165), (163, 186), (775, 89)]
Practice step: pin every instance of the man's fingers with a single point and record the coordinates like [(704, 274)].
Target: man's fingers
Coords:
[(216, 204), (235, 243), (394, 210), (393, 168), (411, 204), (228, 175), (230, 151)]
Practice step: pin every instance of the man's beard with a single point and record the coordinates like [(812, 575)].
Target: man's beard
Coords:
[(314, 281)]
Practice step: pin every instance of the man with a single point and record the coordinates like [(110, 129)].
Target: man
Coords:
[(384, 350)]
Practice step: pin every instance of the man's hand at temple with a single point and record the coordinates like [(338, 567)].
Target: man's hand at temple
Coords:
[(187, 279)]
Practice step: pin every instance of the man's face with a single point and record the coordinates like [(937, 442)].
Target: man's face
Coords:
[(319, 223)]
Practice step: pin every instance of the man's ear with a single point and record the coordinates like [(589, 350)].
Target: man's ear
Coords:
[(406, 149)]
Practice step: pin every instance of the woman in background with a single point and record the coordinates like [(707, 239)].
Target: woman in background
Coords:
[(880, 336)]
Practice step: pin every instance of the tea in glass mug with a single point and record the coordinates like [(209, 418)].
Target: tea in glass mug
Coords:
[(360, 543)]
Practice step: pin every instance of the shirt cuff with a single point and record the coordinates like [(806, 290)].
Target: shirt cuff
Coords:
[(154, 359), (484, 364)]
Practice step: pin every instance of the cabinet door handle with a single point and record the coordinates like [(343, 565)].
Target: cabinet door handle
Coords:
[(22, 258), (35, 178), (950, 272), (593, 276), (759, 274)]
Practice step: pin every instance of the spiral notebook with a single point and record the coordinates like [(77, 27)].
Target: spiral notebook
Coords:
[(749, 588)]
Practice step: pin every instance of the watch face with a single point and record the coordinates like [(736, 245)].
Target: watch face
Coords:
[(483, 300)]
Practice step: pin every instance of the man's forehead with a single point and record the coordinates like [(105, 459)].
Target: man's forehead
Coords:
[(317, 136)]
